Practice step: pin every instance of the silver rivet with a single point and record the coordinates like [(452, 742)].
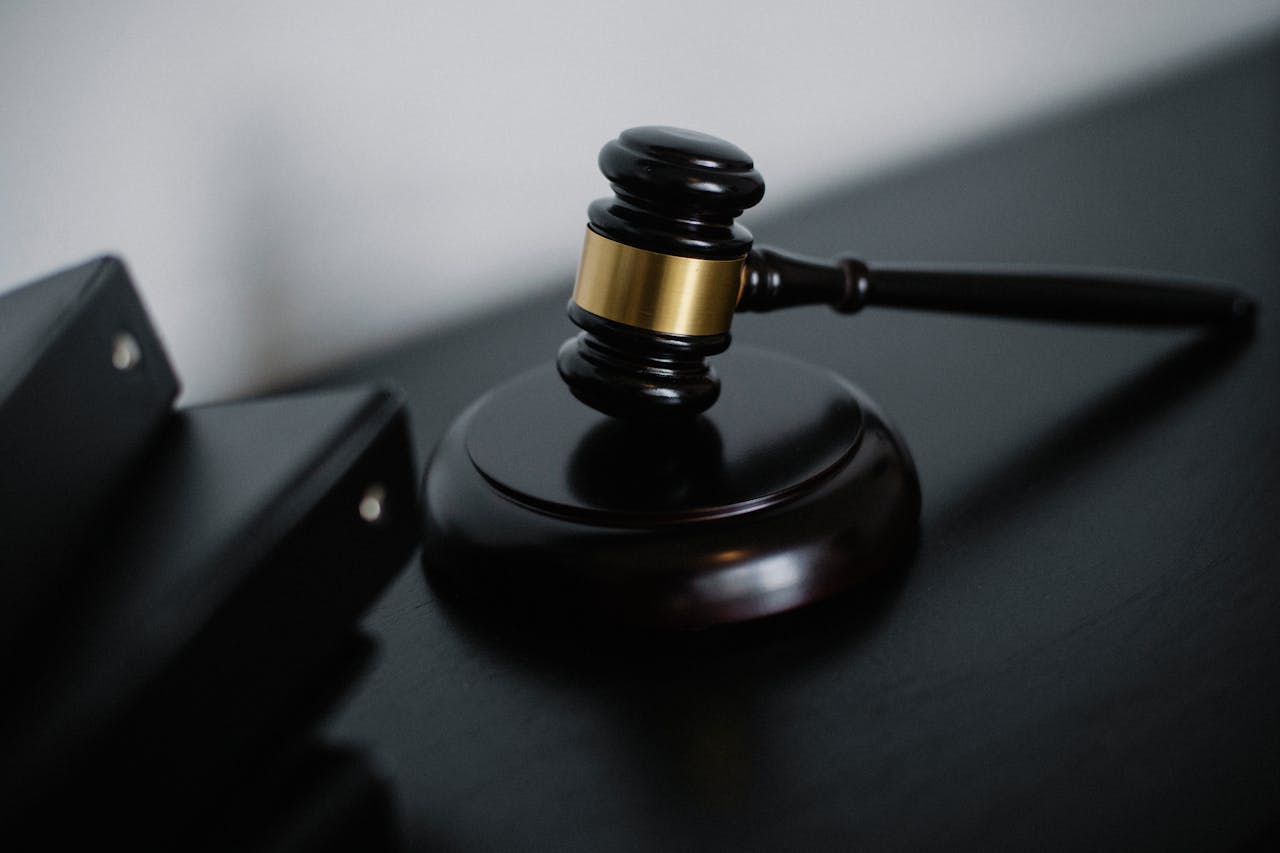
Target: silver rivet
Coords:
[(372, 503), (125, 352)]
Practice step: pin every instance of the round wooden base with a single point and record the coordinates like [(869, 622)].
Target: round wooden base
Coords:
[(791, 489)]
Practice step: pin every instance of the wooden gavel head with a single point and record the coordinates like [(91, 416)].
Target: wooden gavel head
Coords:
[(661, 274)]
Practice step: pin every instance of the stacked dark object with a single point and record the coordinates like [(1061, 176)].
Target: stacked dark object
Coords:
[(183, 589)]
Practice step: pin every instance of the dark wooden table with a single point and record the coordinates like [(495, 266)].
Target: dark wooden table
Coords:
[(1085, 650)]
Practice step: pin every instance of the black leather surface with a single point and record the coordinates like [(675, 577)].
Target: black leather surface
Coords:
[(72, 427), (1082, 654), (213, 622)]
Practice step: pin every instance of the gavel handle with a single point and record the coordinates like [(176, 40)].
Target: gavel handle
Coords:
[(774, 279)]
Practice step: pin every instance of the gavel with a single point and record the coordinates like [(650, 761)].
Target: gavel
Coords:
[(665, 267), (653, 507)]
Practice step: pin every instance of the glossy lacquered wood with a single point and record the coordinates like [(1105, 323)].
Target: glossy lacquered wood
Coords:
[(775, 279), (678, 192), (792, 489), (638, 374)]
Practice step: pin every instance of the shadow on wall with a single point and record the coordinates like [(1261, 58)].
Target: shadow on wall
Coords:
[(312, 254)]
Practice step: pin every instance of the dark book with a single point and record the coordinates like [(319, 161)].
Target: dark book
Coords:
[(257, 534), (84, 385)]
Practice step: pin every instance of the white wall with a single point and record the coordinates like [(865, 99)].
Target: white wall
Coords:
[(294, 182)]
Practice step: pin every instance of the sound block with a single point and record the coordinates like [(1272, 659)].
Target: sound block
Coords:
[(791, 489)]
